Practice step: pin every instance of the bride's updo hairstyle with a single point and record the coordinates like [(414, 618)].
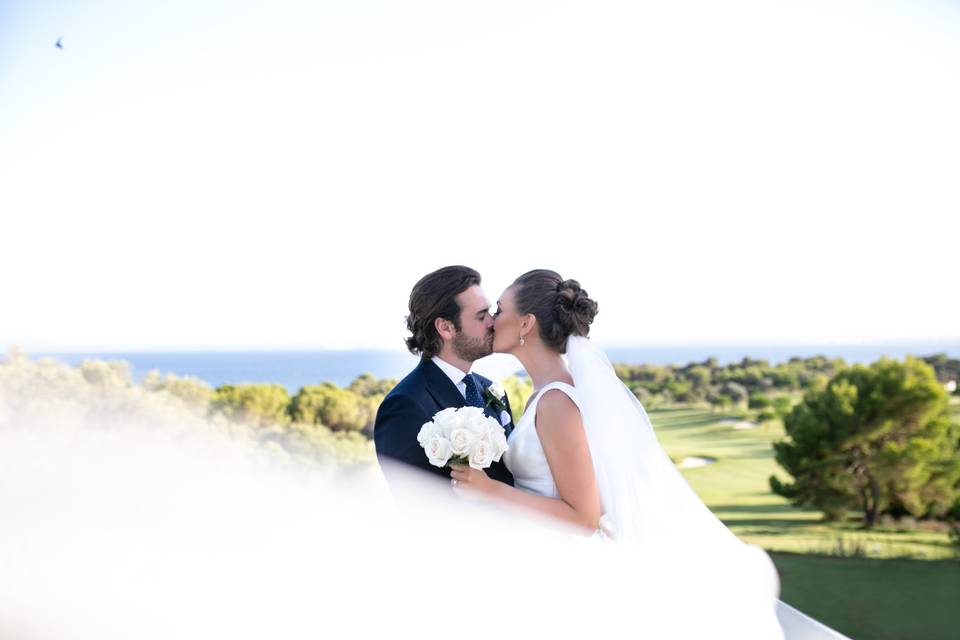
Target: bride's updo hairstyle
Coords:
[(562, 307)]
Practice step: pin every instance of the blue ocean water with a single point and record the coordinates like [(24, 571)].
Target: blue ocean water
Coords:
[(295, 369)]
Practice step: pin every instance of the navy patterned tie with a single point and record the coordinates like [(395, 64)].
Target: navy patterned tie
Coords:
[(473, 391)]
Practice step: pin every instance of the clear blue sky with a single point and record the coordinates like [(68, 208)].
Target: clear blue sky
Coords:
[(211, 174)]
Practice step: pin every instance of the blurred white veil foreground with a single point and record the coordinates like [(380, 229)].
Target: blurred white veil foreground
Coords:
[(140, 523)]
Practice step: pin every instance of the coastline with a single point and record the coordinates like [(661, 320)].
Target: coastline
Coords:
[(296, 368)]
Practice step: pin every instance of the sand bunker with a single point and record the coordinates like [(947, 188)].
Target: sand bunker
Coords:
[(695, 461), (740, 424)]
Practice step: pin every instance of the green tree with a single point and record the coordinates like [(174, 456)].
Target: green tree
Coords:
[(369, 387), (736, 392), (106, 373), (193, 392), (372, 392), (947, 370), (782, 405), (336, 408), (766, 415), (518, 392), (718, 400), (878, 438), (257, 404), (680, 390), (698, 375), (642, 394)]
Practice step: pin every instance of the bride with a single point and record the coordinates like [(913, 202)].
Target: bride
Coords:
[(584, 452), (549, 454)]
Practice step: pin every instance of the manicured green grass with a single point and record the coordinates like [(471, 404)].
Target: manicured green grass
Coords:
[(873, 598), (884, 583), (736, 488)]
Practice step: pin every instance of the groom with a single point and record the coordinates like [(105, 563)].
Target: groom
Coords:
[(451, 325)]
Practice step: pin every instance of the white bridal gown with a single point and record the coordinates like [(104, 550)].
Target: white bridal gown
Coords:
[(525, 458), (691, 575)]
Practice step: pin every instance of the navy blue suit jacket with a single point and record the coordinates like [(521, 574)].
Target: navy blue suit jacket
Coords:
[(414, 401)]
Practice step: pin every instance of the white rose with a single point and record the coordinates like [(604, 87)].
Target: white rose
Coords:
[(458, 420), (498, 440), (446, 421), (490, 425), (481, 454), (497, 390), (444, 414), (438, 450), (477, 422), (461, 440), (470, 414), (426, 432)]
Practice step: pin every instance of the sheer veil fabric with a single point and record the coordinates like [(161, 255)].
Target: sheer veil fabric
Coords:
[(651, 511), (645, 498)]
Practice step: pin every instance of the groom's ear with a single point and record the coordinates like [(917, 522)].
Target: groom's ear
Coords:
[(445, 328)]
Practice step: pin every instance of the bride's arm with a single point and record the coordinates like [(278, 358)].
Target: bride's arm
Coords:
[(560, 427)]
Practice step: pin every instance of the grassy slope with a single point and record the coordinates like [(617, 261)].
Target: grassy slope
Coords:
[(863, 597), (736, 488)]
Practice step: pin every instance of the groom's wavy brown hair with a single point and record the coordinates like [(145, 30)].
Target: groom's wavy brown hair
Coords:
[(434, 296)]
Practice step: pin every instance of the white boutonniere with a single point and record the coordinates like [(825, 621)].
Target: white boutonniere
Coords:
[(496, 396)]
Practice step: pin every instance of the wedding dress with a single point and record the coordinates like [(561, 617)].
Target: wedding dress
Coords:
[(524, 457), (650, 512)]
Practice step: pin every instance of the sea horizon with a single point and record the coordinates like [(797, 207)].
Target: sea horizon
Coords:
[(295, 368)]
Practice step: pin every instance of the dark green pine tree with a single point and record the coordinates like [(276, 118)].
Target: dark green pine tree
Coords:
[(876, 438)]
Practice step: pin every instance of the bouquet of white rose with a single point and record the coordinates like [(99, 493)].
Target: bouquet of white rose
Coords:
[(463, 436)]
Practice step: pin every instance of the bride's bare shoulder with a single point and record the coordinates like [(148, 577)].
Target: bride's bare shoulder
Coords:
[(556, 405)]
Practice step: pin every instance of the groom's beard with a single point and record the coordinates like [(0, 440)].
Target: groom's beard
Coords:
[(471, 349)]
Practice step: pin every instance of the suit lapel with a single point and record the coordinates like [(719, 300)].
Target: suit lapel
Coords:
[(440, 387), (492, 411)]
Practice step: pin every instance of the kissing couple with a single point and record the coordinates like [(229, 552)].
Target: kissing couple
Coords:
[(451, 328), (583, 452)]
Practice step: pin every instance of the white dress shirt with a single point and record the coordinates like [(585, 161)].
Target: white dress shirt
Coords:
[(454, 373)]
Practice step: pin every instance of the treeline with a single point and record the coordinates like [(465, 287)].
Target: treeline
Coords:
[(947, 370), (351, 409), (322, 422), (753, 383), (340, 409)]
